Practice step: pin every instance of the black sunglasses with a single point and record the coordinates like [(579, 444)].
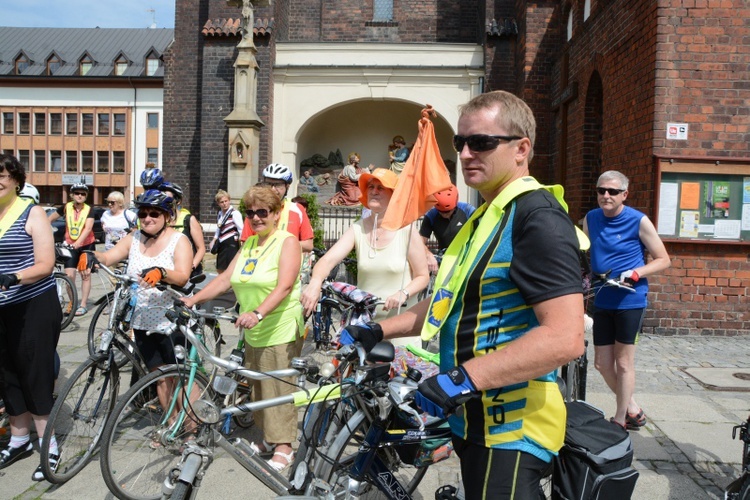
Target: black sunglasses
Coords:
[(110, 202), (481, 142), (142, 214), (261, 213), (78, 193), (611, 191)]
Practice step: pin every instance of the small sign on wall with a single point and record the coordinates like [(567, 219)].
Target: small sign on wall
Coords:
[(677, 131)]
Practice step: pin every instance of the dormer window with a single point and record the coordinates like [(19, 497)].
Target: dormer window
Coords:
[(53, 64), (121, 64), (22, 62), (85, 65), (152, 64)]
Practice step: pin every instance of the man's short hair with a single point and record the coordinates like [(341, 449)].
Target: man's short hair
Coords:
[(515, 116), (614, 175)]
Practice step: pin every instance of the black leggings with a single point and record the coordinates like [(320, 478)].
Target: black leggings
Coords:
[(489, 473), (28, 337)]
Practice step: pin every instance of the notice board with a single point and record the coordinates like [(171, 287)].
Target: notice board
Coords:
[(703, 200)]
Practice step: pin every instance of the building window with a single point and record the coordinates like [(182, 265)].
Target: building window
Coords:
[(21, 63), (102, 161), (40, 123), (118, 162), (55, 123), (85, 65), (8, 125), (103, 128), (152, 64), (87, 161), (8, 152), (119, 124), (382, 10), (23, 123), (71, 123), (569, 27), (55, 161), (23, 157), (586, 9), (71, 161), (40, 160), (152, 120), (121, 64), (152, 156), (87, 120), (53, 64)]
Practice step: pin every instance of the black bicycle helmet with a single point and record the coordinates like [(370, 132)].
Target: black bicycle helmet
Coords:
[(151, 178), (79, 186), (157, 199), (173, 188), (278, 171)]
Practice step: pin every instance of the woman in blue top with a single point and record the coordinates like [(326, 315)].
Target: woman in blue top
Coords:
[(30, 316), (619, 236)]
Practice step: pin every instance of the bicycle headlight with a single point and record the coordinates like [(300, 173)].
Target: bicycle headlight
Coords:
[(180, 352), (206, 411)]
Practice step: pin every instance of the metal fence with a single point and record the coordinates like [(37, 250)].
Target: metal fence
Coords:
[(336, 220)]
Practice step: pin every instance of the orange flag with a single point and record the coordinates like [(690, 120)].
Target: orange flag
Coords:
[(424, 175)]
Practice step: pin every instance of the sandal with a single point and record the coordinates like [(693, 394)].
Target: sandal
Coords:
[(624, 426), (262, 448), (81, 311), (280, 466), (635, 422)]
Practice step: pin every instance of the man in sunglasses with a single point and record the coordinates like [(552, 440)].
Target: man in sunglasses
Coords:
[(293, 217), (619, 235), (508, 307), (79, 234), (444, 220)]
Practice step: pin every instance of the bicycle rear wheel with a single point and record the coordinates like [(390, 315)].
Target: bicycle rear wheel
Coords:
[(78, 417), (68, 296), (138, 446), (334, 467)]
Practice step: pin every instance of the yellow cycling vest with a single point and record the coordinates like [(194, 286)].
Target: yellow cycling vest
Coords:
[(75, 226)]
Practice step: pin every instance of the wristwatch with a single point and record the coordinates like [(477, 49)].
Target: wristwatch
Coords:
[(259, 315), (405, 292)]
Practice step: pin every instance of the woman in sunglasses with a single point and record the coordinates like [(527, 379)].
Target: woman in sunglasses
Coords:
[(79, 234), (265, 278), (156, 253), (390, 264), (116, 221)]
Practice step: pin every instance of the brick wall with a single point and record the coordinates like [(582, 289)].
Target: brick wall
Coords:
[(683, 61)]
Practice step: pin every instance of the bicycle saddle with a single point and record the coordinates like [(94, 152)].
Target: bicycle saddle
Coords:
[(383, 352)]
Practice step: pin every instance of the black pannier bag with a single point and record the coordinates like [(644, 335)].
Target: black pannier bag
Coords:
[(595, 461)]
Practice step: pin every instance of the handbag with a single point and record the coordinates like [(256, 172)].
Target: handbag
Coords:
[(215, 248)]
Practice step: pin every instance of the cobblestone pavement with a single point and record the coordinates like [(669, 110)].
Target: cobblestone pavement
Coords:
[(684, 451)]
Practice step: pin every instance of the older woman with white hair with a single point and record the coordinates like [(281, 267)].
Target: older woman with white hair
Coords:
[(116, 221)]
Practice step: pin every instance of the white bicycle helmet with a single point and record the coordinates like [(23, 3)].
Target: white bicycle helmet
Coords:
[(278, 171), (29, 192), (79, 186)]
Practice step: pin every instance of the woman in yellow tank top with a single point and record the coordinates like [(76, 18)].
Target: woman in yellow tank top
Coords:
[(270, 314)]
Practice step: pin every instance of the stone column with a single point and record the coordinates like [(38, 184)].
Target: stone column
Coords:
[(243, 122)]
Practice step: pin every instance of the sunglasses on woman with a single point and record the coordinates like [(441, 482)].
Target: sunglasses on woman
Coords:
[(110, 202), (154, 214), (262, 213), (481, 142)]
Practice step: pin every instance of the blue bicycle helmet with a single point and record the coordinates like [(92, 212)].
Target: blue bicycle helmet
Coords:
[(151, 178), (157, 199), (173, 188)]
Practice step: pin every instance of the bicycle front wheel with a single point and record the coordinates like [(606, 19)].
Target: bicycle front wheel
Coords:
[(68, 296), (334, 467), (139, 444), (78, 417)]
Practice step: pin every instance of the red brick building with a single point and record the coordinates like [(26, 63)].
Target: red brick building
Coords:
[(655, 89)]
